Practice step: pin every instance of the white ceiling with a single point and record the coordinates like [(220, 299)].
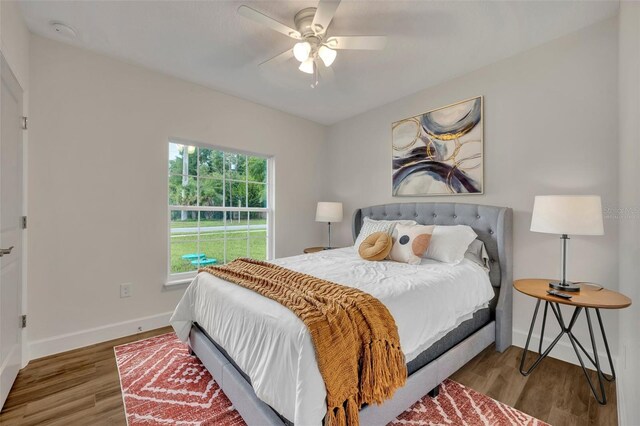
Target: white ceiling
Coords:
[(208, 43)]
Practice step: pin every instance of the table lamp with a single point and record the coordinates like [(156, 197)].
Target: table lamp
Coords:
[(329, 212), (567, 215)]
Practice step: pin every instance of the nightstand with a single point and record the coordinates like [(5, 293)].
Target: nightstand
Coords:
[(316, 249), (590, 296)]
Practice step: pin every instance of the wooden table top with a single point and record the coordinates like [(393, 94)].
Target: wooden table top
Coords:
[(590, 295), (313, 249)]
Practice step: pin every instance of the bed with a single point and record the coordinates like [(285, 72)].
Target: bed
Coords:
[(261, 355)]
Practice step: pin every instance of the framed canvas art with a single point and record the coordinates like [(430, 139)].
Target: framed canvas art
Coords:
[(440, 152)]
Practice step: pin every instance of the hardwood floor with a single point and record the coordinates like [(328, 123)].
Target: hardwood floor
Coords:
[(556, 392), (82, 387), (79, 387)]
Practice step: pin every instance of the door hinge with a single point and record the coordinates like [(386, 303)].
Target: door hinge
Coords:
[(24, 222), (24, 123), (23, 321)]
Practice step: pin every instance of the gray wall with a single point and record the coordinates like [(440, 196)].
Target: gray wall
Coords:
[(550, 128)]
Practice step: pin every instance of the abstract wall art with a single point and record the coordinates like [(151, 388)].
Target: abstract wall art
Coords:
[(440, 152)]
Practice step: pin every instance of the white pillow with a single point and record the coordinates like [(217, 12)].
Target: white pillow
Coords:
[(410, 242), (477, 253), (449, 243), (370, 226), (403, 223)]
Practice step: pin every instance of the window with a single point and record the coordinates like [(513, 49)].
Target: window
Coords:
[(219, 207)]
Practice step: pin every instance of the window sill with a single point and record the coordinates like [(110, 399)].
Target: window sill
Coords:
[(178, 282)]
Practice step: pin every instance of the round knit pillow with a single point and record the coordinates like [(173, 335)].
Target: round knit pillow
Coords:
[(376, 246)]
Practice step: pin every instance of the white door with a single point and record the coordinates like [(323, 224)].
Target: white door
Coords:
[(10, 228)]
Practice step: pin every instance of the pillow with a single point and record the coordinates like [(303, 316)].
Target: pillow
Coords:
[(449, 243), (401, 222), (376, 246), (477, 253), (410, 243), (370, 226)]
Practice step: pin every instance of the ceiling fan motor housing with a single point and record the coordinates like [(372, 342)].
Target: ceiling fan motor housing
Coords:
[(304, 22)]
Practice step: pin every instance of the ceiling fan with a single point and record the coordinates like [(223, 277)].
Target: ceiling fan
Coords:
[(314, 45)]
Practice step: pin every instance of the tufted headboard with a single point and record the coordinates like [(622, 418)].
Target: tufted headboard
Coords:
[(493, 226)]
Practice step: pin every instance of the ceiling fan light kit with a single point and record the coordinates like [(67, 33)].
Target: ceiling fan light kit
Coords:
[(313, 43), (307, 66), (305, 51), (302, 50), (327, 55)]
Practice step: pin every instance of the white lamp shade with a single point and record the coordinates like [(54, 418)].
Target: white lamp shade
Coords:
[(567, 214), (301, 51), (327, 55), (329, 212), (307, 66)]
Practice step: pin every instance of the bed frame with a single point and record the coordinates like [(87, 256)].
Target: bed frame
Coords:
[(493, 226)]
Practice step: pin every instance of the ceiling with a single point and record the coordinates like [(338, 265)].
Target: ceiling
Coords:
[(210, 44)]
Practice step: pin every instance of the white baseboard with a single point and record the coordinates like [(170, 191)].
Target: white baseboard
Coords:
[(91, 336), (627, 394), (563, 350), (621, 401)]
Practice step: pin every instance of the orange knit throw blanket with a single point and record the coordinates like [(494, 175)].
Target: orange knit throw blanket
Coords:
[(355, 337)]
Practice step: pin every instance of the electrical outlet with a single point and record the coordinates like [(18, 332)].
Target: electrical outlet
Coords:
[(125, 290)]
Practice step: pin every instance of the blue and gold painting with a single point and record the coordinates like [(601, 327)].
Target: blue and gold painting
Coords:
[(440, 152)]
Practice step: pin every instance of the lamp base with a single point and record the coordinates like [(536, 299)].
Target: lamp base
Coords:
[(567, 286)]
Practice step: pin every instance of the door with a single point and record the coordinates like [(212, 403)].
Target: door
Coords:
[(10, 228)]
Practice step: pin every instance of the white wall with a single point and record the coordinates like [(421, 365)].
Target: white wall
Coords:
[(629, 214), (550, 128), (14, 41), (14, 44), (98, 187)]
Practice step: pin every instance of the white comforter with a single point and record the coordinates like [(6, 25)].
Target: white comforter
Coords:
[(273, 346)]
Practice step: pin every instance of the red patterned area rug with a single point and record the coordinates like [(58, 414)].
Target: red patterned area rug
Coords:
[(162, 384), (458, 405)]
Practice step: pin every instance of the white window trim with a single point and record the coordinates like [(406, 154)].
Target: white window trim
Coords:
[(180, 279)]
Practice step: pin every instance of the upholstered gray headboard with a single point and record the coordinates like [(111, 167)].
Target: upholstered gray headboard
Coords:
[(493, 226)]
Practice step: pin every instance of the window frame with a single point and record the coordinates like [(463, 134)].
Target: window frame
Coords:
[(180, 278)]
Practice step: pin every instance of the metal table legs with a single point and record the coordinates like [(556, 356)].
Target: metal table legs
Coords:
[(577, 346)]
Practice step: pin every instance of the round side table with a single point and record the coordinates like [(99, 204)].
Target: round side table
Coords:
[(590, 296), (314, 249)]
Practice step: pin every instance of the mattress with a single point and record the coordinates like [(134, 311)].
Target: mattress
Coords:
[(273, 347), (480, 318)]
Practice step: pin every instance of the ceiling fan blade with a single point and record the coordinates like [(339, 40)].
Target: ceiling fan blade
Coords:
[(324, 14), (278, 59), (357, 42), (263, 19)]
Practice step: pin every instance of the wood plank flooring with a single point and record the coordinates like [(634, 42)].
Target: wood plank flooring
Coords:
[(79, 387), (82, 387), (556, 392)]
